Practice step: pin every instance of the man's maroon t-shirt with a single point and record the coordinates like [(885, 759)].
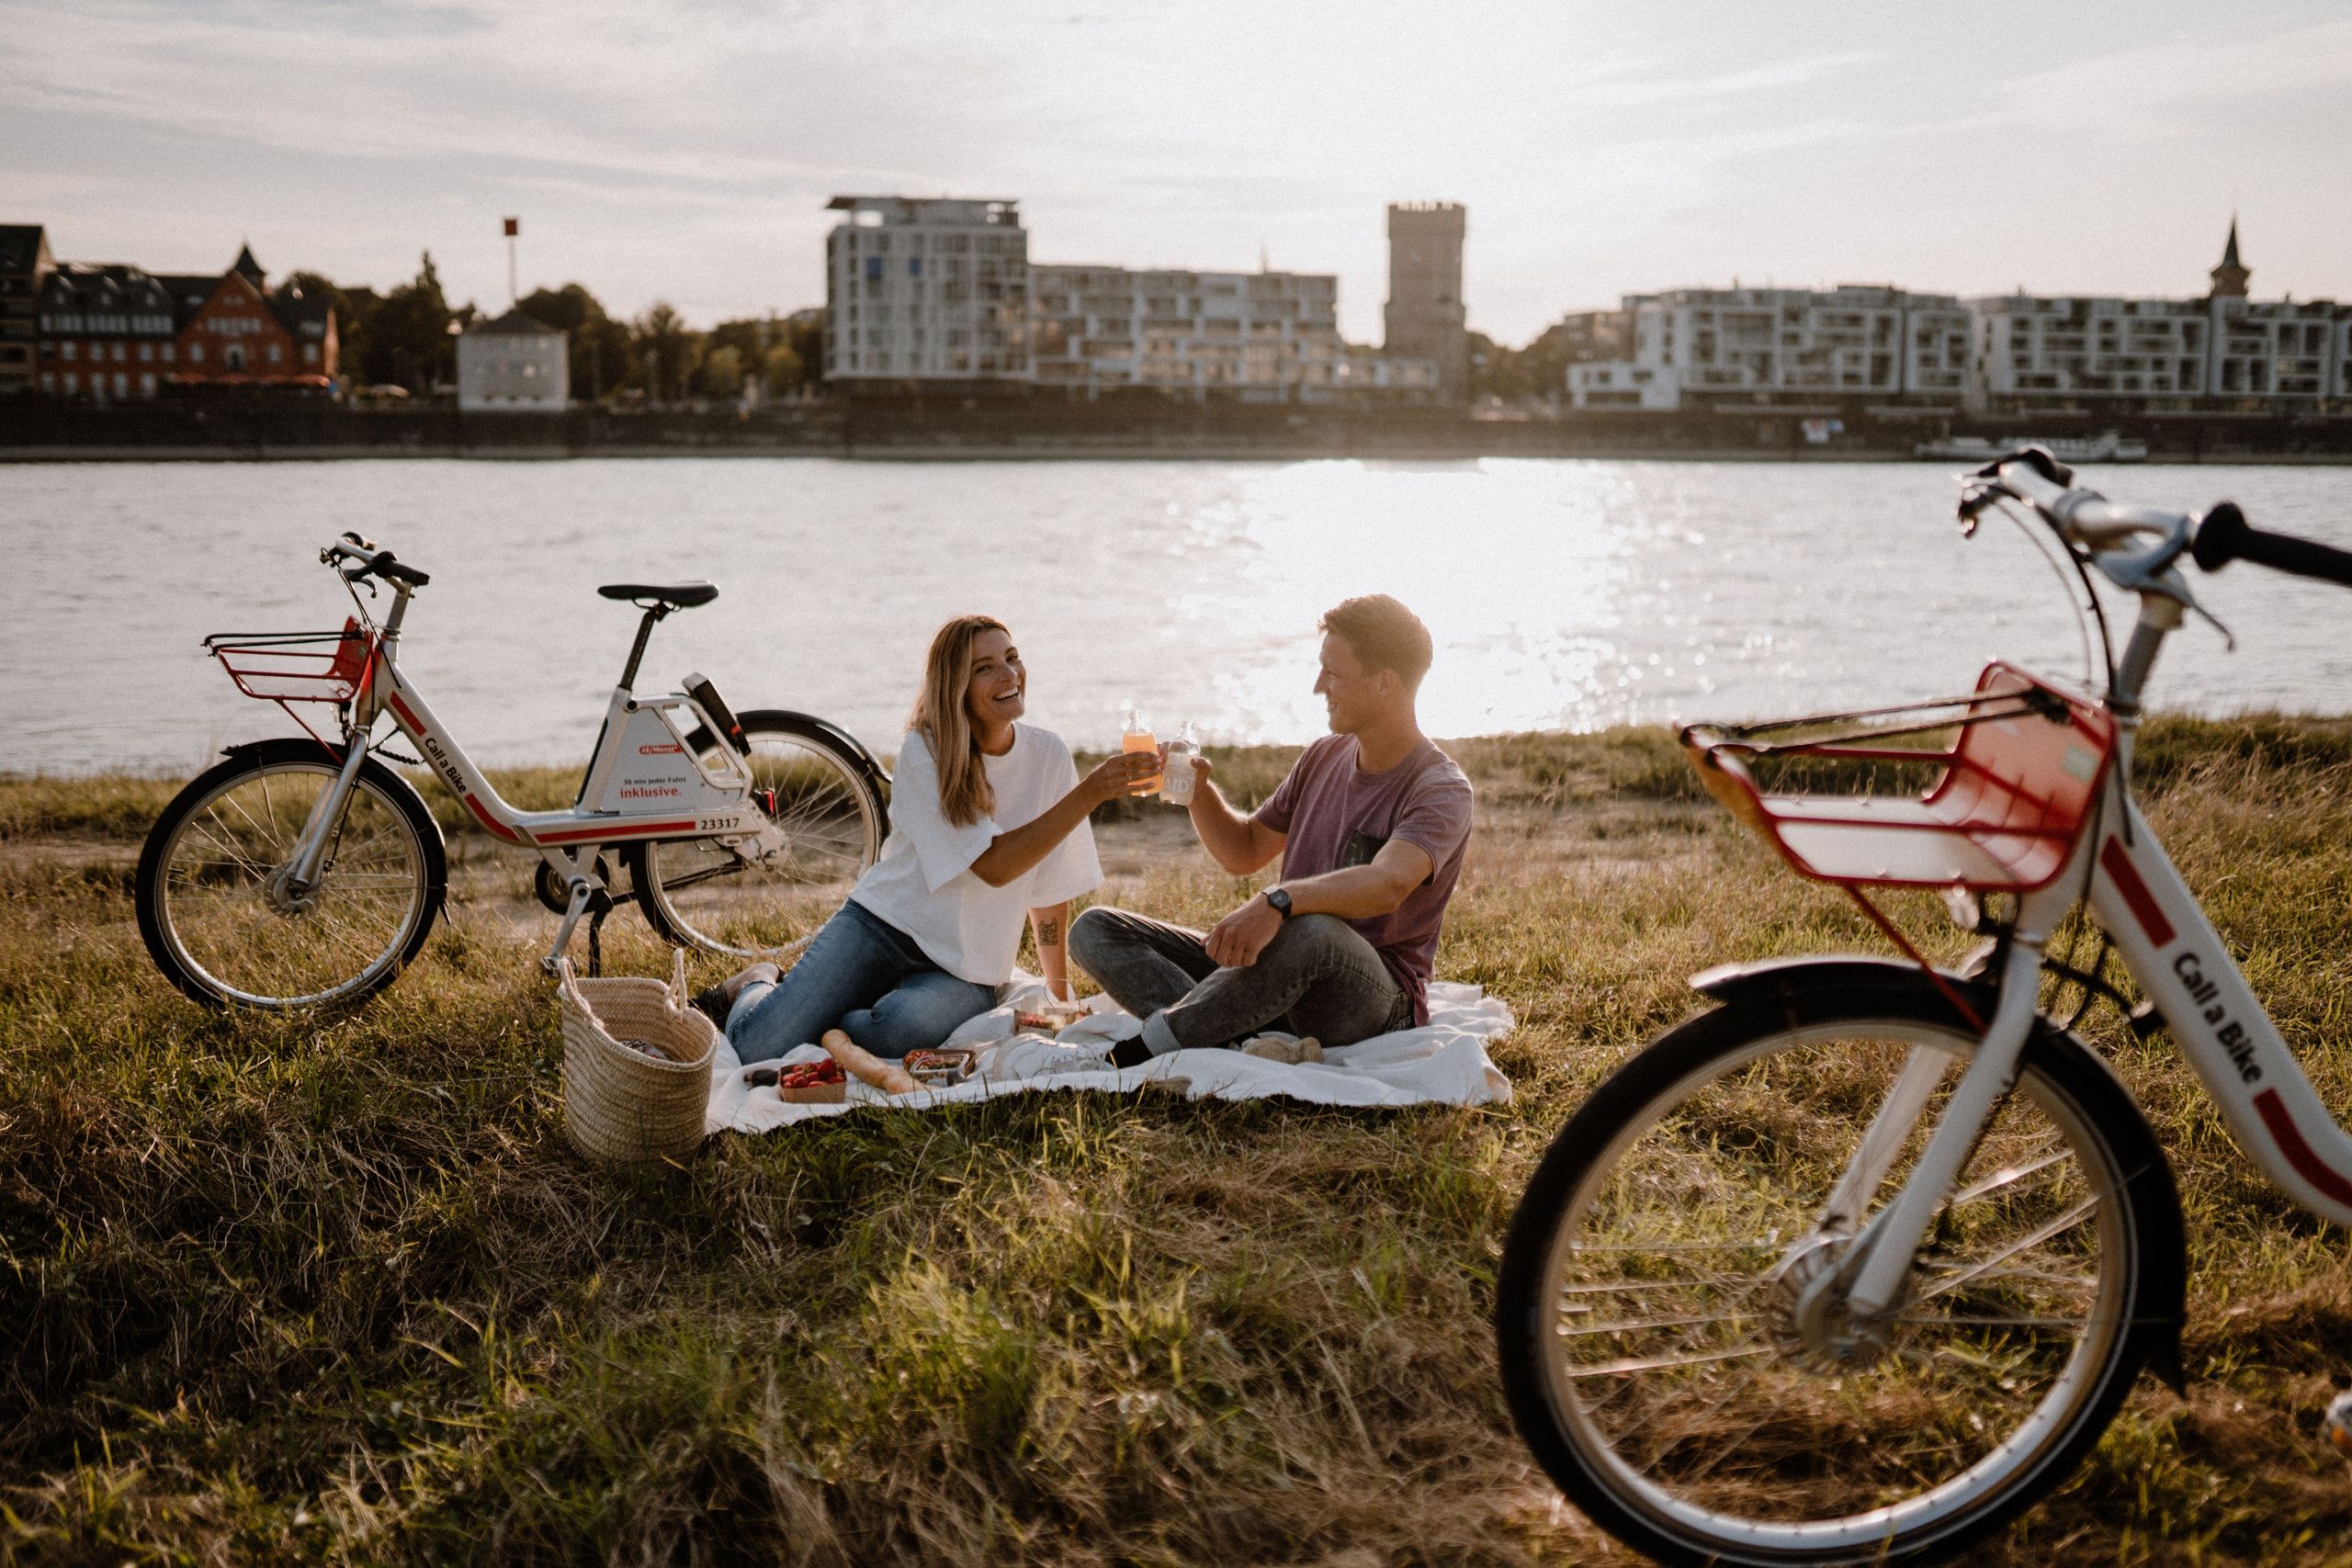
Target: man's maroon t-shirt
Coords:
[(1334, 816)]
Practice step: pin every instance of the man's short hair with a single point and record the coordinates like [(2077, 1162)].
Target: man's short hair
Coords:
[(1384, 634)]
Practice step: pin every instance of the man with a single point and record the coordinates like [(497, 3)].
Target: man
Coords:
[(1372, 825)]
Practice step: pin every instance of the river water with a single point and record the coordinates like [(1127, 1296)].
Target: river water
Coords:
[(1561, 593)]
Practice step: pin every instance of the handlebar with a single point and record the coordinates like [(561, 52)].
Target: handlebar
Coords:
[(369, 561), (2105, 528), (2225, 536)]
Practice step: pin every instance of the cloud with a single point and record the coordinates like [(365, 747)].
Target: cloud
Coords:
[(686, 147), (2162, 90), (1660, 86)]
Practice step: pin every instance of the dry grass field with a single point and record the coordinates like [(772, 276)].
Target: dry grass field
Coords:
[(335, 1290)]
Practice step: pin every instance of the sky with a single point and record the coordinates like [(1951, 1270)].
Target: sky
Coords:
[(685, 150)]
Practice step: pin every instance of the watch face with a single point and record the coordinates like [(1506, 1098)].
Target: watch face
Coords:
[(1278, 900)]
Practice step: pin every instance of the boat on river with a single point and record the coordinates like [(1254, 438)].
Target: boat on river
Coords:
[(2110, 447)]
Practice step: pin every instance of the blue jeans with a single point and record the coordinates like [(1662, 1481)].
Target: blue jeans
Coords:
[(864, 976)]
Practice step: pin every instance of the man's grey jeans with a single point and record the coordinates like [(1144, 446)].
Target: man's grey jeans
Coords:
[(1316, 976)]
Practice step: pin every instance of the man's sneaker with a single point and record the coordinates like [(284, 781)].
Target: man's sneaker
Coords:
[(715, 1002)]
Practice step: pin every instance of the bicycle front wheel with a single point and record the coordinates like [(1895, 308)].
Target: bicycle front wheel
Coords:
[(1667, 1360), (214, 907), (698, 893)]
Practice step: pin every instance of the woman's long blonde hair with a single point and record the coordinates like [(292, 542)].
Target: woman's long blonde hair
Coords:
[(941, 718)]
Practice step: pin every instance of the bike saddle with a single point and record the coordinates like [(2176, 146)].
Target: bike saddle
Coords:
[(677, 595)]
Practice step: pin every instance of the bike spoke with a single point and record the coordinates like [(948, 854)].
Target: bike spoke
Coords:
[(2005, 1181), (1680, 1249), (2040, 1233), (1563, 1332), (1661, 1362), (1944, 1319)]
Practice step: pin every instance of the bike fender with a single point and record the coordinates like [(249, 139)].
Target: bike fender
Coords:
[(246, 747), (1778, 977), (849, 742), (2164, 1308), (300, 745)]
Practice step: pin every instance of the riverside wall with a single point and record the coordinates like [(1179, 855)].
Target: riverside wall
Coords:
[(947, 428)]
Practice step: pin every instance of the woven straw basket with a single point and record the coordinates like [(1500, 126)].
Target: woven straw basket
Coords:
[(620, 1104)]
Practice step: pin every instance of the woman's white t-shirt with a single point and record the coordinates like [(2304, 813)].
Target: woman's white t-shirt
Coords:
[(924, 883)]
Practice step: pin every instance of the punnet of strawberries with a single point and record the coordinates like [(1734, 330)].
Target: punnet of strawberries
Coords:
[(812, 1075)]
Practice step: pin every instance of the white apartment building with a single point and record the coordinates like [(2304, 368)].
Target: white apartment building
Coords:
[(1781, 346), (1258, 336), (1389, 377), (2043, 352), (514, 365), (919, 289), (2038, 353), (1621, 384), (2280, 353)]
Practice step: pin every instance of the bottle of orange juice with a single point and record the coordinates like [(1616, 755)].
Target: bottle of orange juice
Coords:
[(1139, 738)]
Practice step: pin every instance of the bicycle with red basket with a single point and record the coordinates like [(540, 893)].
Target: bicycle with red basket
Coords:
[(1859, 1262), (304, 871)]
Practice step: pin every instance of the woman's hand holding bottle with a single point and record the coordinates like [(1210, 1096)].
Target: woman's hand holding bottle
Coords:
[(1121, 773)]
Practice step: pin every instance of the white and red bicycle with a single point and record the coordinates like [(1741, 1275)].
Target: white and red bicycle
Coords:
[(301, 871), (1858, 1263)]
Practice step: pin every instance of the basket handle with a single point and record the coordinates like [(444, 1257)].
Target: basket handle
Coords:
[(567, 987), (679, 998)]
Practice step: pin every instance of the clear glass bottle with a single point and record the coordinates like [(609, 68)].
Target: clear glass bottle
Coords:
[(1176, 779)]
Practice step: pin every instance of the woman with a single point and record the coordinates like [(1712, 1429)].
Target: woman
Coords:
[(987, 822)]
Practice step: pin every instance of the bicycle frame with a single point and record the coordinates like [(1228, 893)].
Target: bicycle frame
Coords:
[(2181, 966), (643, 780)]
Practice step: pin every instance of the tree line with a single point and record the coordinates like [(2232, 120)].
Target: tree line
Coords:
[(406, 337), (403, 337)]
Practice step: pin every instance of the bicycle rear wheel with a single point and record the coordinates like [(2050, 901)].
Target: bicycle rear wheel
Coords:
[(698, 893), (217, 918), (1660, 1356)]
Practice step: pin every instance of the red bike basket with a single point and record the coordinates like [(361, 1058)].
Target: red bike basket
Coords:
[(295, 667), (2013, 789)]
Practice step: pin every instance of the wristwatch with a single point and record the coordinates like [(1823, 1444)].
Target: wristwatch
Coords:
[(1279, 900)]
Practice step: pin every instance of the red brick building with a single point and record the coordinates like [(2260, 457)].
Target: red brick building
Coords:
[(239, 335), (105, 331), (115, 332)]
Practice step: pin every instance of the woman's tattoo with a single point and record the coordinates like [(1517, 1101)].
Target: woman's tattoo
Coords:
[(1049, 933)]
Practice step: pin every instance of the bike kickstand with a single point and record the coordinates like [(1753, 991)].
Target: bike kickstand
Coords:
[(603, 906), (588, 897)]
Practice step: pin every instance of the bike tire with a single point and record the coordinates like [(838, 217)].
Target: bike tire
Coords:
[(1782, 1461), (826, 792), (217, 931)]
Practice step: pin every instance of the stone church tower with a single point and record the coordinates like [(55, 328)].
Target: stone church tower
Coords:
[(1425, 318), (2230, 278)]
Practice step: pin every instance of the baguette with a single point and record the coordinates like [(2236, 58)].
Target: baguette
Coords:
[(887, 1076)]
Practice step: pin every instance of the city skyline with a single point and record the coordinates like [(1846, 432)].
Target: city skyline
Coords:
[(688, 155)]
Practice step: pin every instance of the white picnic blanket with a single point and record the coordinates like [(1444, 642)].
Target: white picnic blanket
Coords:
[(1444, 1061)]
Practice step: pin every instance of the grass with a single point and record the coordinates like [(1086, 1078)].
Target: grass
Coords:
[(279, 1289)]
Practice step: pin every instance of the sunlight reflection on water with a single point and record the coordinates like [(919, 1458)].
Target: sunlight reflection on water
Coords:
[(1561, 593)]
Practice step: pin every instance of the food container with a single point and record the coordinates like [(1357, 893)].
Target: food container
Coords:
[(813, 1083)]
